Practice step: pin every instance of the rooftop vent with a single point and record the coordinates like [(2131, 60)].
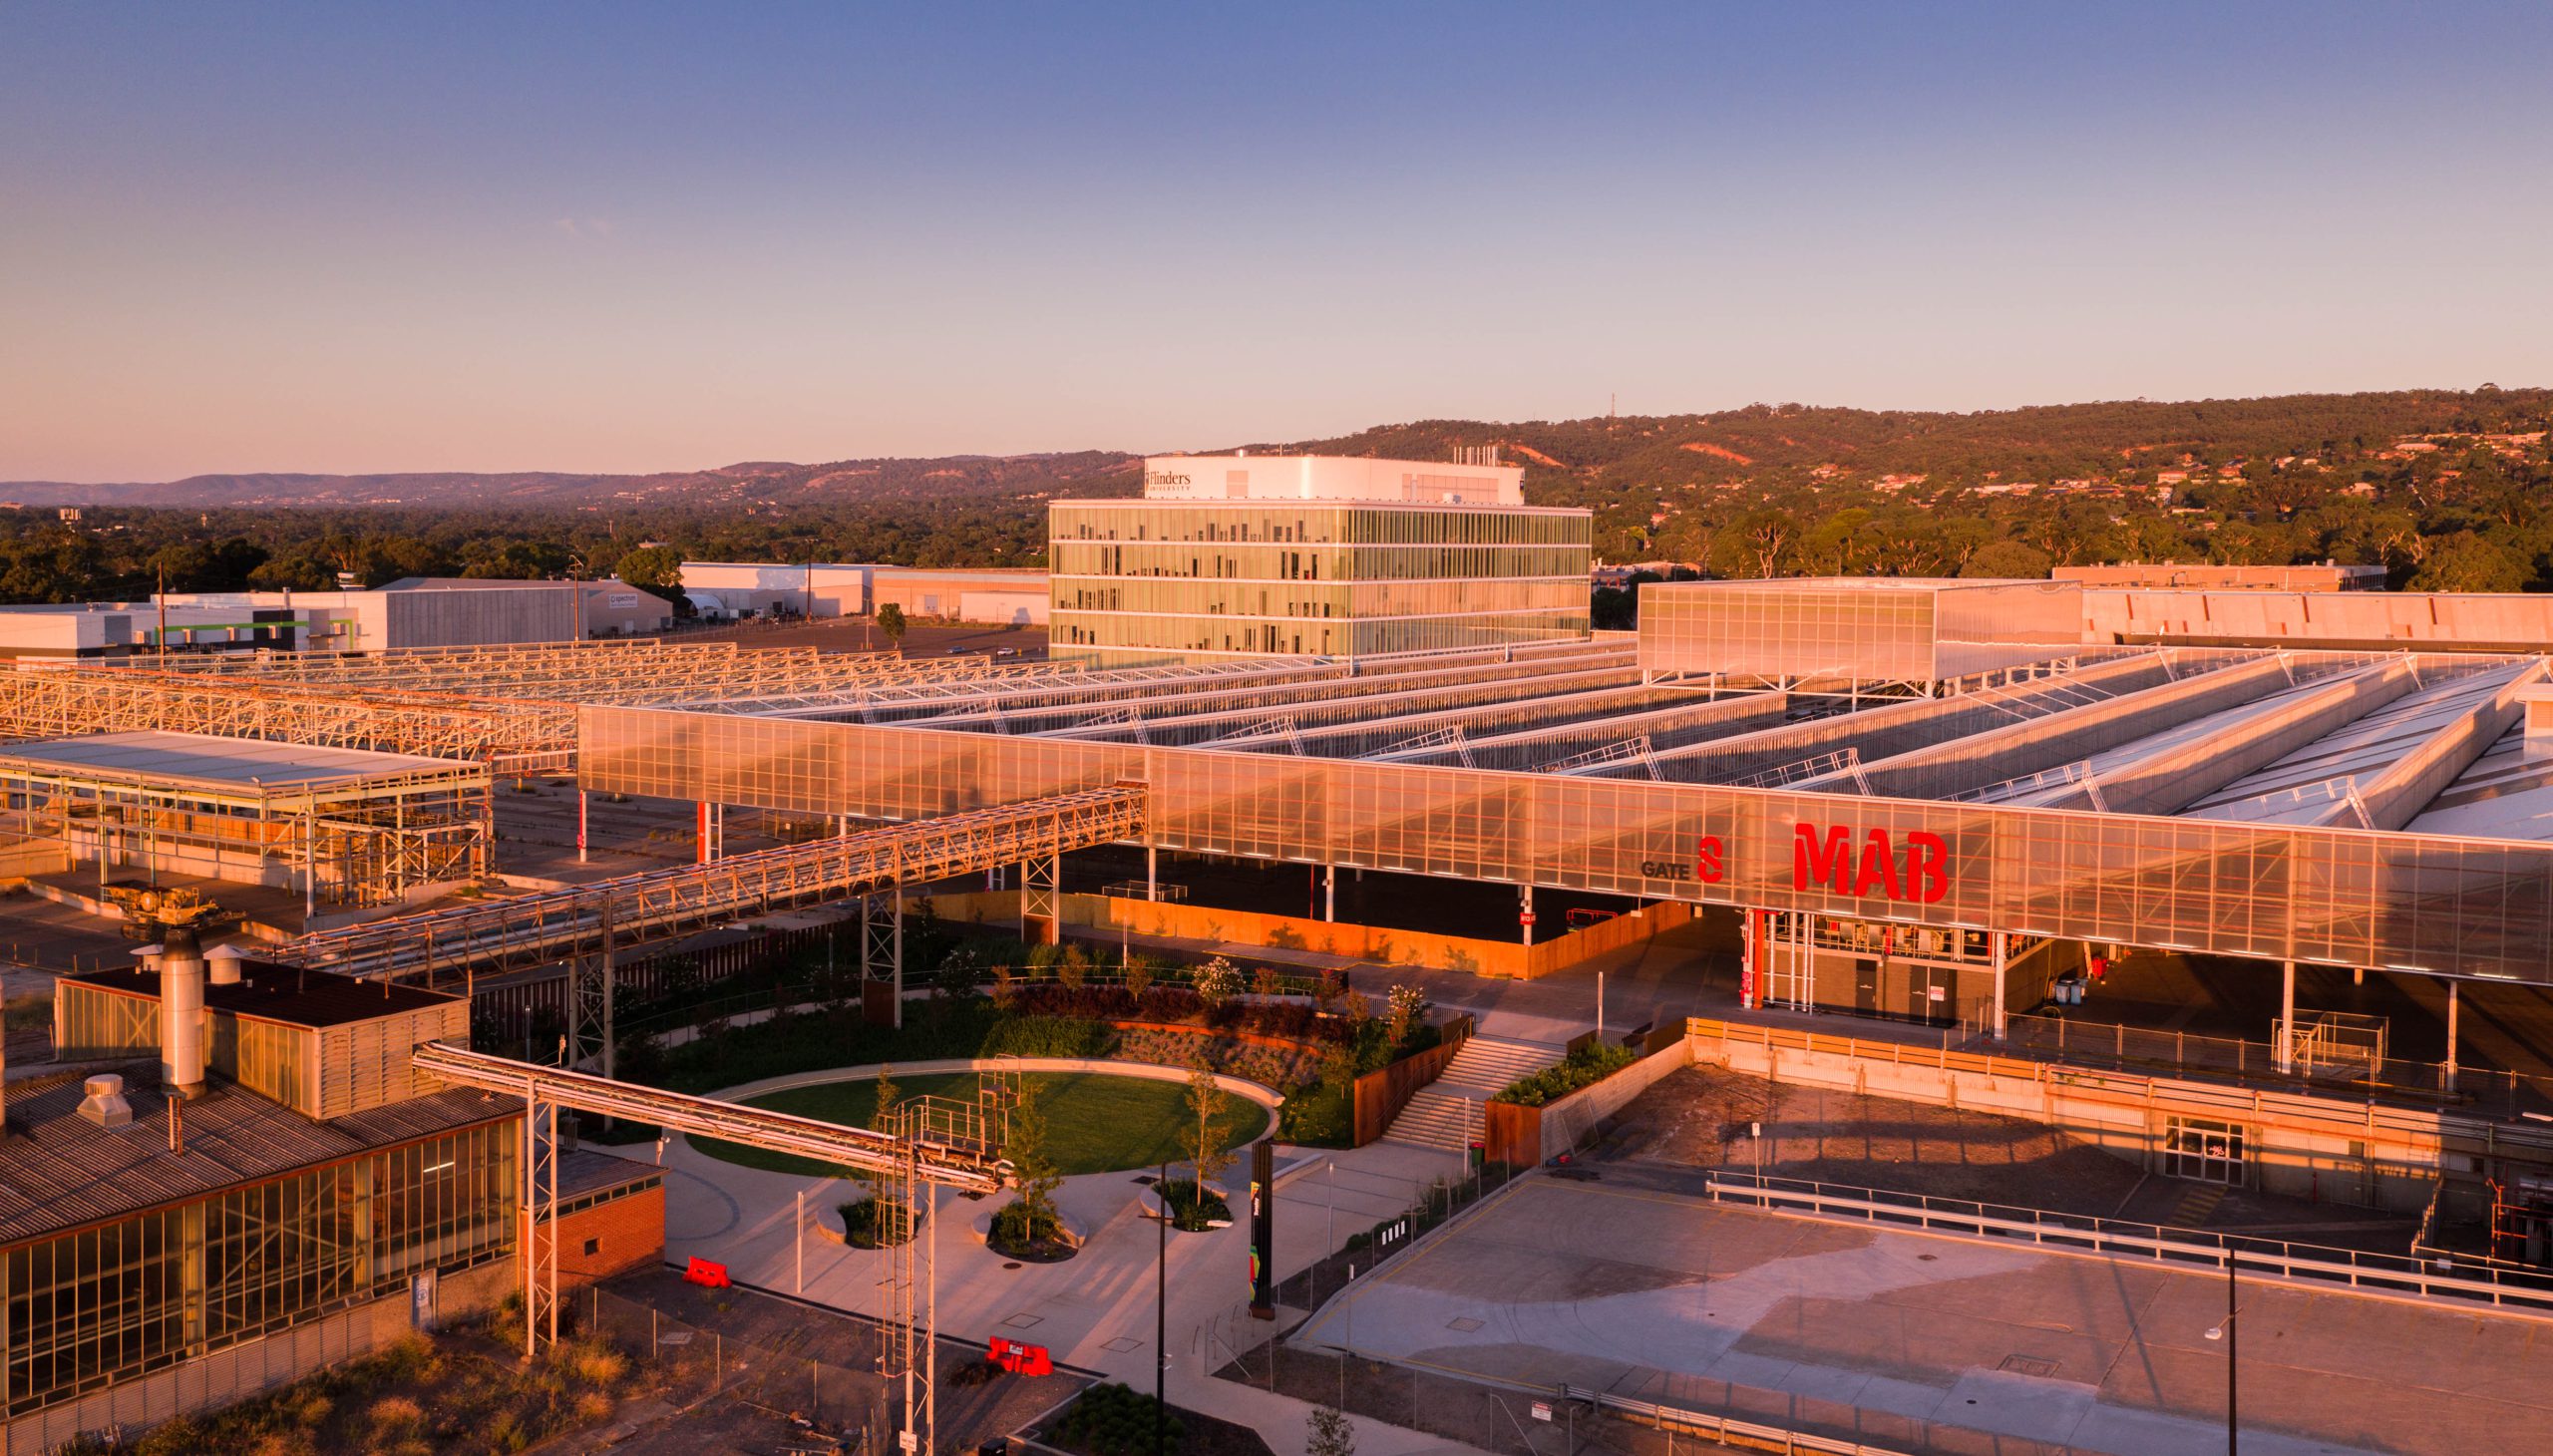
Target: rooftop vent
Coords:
[(104, 1103), (223, 962)]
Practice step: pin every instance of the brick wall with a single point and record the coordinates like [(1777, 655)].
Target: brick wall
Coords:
[(627, 1233)]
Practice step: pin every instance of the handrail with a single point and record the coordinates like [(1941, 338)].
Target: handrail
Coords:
[(2195, 1095), (1722, 1428), (2083, 1233)]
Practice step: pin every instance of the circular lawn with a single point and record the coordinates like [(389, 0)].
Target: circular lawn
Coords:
[(1096, 1121)]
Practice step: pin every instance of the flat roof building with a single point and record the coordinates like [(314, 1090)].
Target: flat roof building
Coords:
[(1316, 556)]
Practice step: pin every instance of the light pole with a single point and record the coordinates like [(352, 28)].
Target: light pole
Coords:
[(2223, 1331), (1161, 1316)]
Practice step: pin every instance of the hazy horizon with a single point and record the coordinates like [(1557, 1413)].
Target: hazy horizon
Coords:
[(593, 239)]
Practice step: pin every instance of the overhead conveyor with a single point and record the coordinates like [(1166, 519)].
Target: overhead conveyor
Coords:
[(589, 920)]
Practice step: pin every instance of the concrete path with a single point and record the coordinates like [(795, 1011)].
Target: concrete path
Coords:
[(1894, 1334), (1095, 1310)]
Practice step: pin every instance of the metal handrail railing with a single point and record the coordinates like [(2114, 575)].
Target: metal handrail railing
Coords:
[(2083, 1233)]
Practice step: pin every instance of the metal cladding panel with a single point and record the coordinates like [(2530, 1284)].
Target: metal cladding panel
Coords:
[(476, 617), (2329, 895), (1997, 624), (1787, 629), (1875, 630)]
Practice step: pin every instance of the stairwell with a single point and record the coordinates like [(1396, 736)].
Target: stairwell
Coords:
[(1446, 1113)]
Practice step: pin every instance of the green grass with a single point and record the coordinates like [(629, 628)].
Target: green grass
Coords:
[(1095, 1122)]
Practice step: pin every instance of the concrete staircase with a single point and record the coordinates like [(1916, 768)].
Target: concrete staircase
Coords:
[(1446, 1113)]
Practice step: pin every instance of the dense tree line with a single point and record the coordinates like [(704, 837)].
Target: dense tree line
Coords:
[(124, 554), (1771, 489)]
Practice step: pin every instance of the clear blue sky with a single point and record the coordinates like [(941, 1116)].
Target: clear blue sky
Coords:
[(630, 236)]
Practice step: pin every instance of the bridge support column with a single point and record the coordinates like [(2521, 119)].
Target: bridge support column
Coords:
[(1750, 940), (1525, 912), (591, 982), (1042, 900), (2284, 1051), (702, 856), (2003, 954), (580, 826), (1329, 892), (1152, 873), (2451, 1010), (539, 1223), (881, 959)]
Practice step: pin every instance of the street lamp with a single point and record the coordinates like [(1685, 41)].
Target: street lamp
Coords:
[(2224, 1329)]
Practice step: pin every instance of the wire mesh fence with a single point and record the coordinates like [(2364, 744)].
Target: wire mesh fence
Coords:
[(816, 1370)]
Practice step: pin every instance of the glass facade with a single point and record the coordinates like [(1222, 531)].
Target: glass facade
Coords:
[(1874, 630), (2336, 897), (90, 1308), (1137, 580)]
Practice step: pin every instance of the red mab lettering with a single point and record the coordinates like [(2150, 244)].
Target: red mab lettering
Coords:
[(1919, 870)]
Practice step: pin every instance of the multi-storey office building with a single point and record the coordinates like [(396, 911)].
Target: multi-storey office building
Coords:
[(1265, 570)]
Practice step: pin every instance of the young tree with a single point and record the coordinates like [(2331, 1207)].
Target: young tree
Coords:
[(1209, 1101), (889, 1095), (1034, 1169), (887, 1223), (1328, 1433), (1408, 1013), (891, 621), (1218, 981)]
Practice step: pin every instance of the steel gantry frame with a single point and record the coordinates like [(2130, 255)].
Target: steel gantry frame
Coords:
[(65, 701), (935, 1143)]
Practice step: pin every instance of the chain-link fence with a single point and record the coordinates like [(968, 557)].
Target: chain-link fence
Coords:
[(793, 1360)]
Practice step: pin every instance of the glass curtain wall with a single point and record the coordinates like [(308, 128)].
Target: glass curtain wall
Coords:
[(2335, 896), (1149, 578), (88, 1309)]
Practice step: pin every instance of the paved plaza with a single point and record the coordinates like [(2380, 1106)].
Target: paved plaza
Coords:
[(1933, 1342)]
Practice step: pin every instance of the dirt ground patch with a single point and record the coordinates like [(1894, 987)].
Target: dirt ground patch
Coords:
[(1702, 1117)]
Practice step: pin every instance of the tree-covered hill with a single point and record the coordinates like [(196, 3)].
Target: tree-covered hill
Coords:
[(2447, 488)]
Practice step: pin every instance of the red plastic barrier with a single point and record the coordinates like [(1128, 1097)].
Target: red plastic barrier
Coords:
[(707, 1274), (1021, 1359)]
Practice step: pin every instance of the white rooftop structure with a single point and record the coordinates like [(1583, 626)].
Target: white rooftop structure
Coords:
[(1246, 476)]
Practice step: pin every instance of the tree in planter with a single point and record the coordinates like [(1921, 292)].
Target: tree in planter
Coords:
[(1033, 1173), (1139, 976), (885, 1220), (891, 621), (1208, 1100), (1328, 1433)]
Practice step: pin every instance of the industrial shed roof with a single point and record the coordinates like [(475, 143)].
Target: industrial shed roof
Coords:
[(285, 993), (217, 763), (59, 1169)]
